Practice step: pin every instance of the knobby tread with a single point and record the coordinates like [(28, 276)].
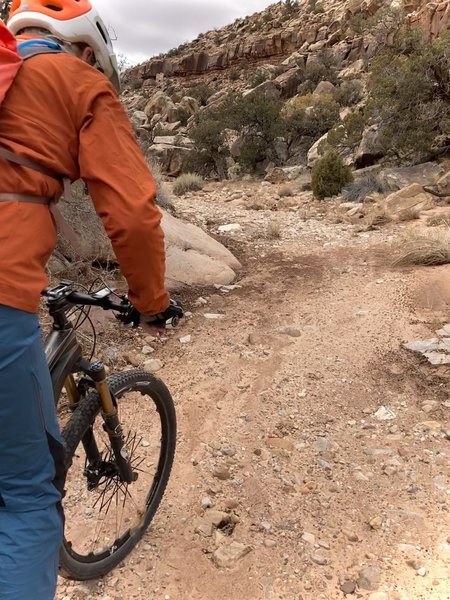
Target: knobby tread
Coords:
[(82, 418)]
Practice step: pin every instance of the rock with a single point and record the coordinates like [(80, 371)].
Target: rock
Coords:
[(309, 538), (213, 316), (147, 350), (217, 517), (222, 473), (171, 152), (154, 365), (227, 556), (159, 103), (268, 89), (195, 258), (353, 70), (269, 543), (319, 558), (280, 443), (133, 358), (324, 87), (231, 228), (369, 578), (348, 587), (186, 339), (293, 173), (276, 175), (289, 81), (207, 502), (289, 331), (397, 179), (190, 105), (350, 535), (376, 522), (410, 197), (370, 149), (421, 572), (423, 346), (204, 528), (313, 153), (385, 413), (138, 119)]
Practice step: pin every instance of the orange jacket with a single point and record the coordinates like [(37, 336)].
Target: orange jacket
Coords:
[(64, 115)]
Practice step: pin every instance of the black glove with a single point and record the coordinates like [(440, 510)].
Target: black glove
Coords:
[(173, 313)]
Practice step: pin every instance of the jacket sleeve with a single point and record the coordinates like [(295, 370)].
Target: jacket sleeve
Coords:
[(124, 191)]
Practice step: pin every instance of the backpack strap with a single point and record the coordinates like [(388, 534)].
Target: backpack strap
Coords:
[(27, 50)]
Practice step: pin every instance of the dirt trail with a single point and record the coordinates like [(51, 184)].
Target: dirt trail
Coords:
[(280, 431)]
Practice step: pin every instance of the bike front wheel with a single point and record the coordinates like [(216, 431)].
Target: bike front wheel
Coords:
[(105, 517)]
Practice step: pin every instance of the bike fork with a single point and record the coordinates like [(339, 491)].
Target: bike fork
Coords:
[(111, 420)]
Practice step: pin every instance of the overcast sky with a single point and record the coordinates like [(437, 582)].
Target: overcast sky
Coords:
[(145, 28)]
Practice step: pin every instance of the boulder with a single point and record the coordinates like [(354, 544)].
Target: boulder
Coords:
[(193, 257), (268, 89), (281, 148), (410, 197), (276, 175), (171, 152), (370, 149), (396, 179), (161, 104), (324, 87), (138, 119), (353, 70), (313, 153), (289, 81), (190, 105)]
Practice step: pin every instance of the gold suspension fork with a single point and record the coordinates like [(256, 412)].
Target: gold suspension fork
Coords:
[(73, 394), (112, 425)]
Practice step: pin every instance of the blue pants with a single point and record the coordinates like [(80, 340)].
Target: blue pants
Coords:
[(31, 463)]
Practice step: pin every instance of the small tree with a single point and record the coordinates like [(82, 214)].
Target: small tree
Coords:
[(330, 176), (410, 95)]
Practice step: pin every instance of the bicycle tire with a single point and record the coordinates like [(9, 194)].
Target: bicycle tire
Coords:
[(82, 568)]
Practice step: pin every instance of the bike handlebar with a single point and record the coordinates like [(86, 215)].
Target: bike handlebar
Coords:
[(80, 299)]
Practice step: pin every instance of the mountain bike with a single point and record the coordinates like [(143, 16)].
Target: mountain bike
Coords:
[(119, 436)]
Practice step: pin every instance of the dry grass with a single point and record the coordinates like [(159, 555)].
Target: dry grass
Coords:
[(273, 231), (436, 220), (285, 191), (427, 248), (377, 217), (409, 214), (188, 182)]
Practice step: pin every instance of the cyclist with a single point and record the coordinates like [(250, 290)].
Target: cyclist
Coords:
[(62, 114)]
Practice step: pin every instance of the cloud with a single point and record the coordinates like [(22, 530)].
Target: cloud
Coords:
[(144, 28)]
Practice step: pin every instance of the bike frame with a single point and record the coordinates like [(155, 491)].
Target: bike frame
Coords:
[(63, 354), (64, 358)]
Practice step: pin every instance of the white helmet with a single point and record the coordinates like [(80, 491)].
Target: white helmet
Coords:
[(75, 21)]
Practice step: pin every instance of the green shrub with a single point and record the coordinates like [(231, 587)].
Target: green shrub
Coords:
[(410, 95), (188, 182), (258, 77), (201, 92), (310, 116), (234, 74), (349, 92), (182, 115), (330, 176), (256, 117), (348, 134)]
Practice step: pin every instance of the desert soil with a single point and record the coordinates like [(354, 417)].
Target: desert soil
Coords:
[(302, 418)]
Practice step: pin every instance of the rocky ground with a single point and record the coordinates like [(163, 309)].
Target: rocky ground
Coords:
[(312, 458)]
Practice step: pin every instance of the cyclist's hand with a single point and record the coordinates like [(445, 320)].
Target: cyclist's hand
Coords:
[(154, 323)]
